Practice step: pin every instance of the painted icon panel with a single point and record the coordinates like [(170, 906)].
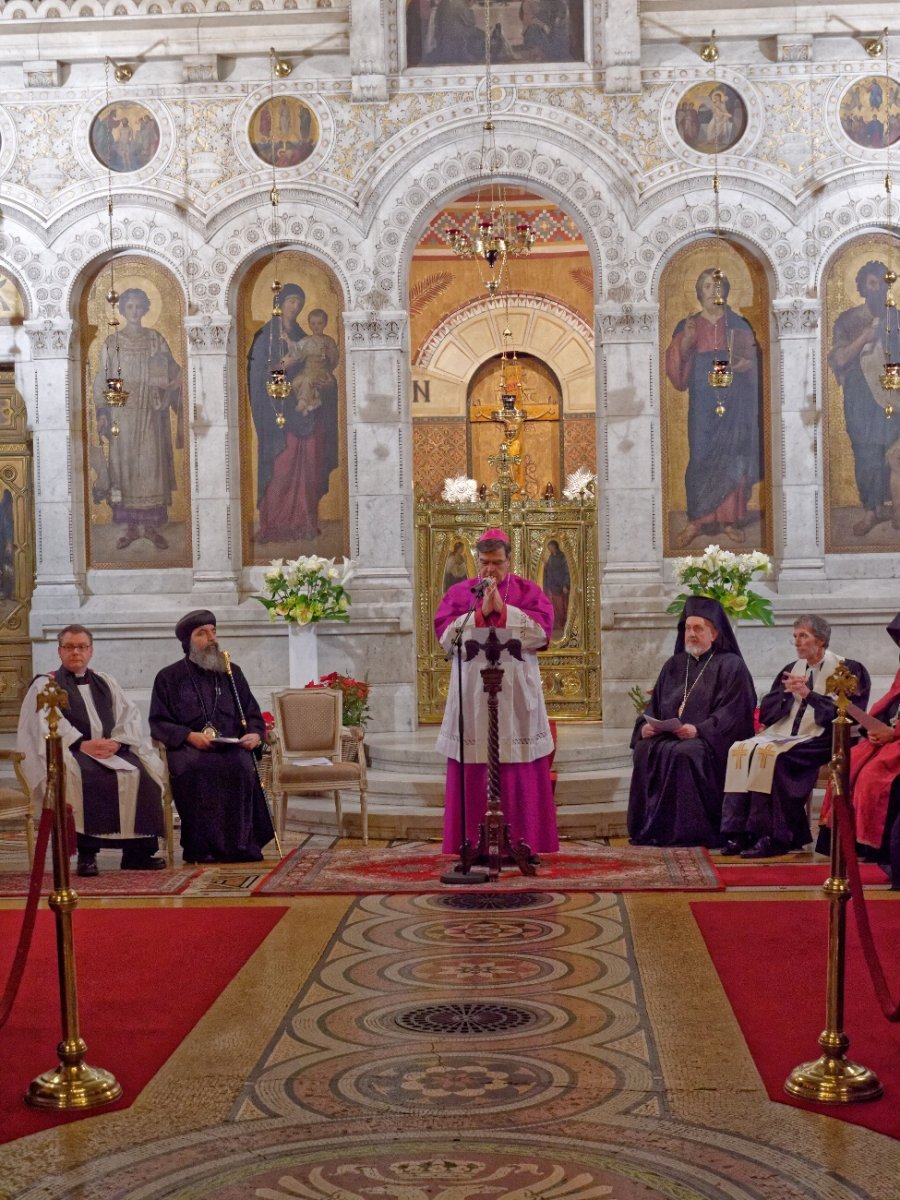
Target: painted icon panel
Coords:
[(711, 117), (284, 131), (124, 136), (293, 448), (862, 442), (451, 32), (870, 112), (138, 491), (715, 440)]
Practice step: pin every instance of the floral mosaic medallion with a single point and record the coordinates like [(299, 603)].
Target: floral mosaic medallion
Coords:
[(870, 112), (466, 1018), (482, 971), (275, 1160), (711, 117), (283, 131), (124, 136), (486, 901)]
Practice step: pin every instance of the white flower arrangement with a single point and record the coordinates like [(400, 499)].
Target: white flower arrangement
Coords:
[(724, 576), (459, 489), (307, 589), (578, 483)]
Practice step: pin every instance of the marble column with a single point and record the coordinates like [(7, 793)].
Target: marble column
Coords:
[(379, 460), (796, 423), (634, 628), (215, 471), (58, 473), (629, 483)]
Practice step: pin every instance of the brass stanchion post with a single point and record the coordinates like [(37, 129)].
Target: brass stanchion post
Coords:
[(832, 1078), (72, 1084)]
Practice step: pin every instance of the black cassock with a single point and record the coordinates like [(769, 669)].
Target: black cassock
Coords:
[(217, 792), (782, 815), (677, 783)]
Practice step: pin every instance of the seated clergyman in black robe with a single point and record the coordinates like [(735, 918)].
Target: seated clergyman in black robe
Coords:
[(770, 776), (679, 774), (195, 705)]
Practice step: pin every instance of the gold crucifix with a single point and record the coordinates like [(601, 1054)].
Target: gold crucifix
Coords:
[(843, 684), (54, 699), (739, 752), (763, 754)]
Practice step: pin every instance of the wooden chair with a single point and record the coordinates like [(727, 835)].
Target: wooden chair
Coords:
[(15, 802), (308, 727), (168, 805)]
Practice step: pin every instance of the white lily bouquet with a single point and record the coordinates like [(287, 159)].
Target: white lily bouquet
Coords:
[(724, 576), (307, 589)]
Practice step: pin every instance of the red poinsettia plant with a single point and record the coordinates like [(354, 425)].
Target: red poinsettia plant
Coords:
[(269, 722), (356, 696)]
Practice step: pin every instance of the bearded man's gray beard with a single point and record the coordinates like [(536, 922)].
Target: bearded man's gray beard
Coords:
[(210, 658)]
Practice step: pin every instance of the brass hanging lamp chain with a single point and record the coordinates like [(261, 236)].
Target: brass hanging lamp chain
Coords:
[(115, 394), (890, 376), (278, 388)]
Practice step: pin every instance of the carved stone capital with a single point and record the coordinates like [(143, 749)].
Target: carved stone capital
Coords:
[(380, 331), (369, 89), (794, 47), (200, 68), (49, 338), (208, 334), (798, 317), (627, 322), (41, 73)]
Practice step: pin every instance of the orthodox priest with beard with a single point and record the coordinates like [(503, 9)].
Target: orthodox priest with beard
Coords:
[(707, 692), (193, 709)]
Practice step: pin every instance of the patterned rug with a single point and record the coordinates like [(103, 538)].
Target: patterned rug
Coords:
[(113, 882), (418, 866)]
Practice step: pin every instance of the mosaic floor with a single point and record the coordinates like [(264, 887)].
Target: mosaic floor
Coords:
[(526, 1046)]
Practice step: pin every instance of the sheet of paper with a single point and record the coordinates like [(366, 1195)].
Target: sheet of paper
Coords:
[(228, 741), (115, 763), (310, 762), (868, 722), (667, 726)]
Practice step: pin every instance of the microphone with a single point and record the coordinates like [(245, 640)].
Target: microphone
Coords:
[(481, 587)]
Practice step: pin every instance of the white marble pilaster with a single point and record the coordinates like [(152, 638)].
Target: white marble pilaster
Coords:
[(215, 476), (368, 52), (797, 441), (628, 450), (621, 47), (58, 483)]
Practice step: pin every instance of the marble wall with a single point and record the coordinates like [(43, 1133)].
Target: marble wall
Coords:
[(600, 140)]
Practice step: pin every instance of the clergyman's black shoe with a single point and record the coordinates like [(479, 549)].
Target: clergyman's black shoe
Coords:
[(87, 867), (144, 864), (734, 846), (766, 847)]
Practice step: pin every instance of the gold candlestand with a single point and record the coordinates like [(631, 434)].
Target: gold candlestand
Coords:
[(72, 1084), (832, 1078)]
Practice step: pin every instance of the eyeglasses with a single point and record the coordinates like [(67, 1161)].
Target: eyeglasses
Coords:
[(80, 646)]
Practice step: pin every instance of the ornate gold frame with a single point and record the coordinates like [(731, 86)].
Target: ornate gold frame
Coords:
[(15, 478), (570, 666)]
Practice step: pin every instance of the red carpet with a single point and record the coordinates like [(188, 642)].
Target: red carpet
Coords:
[(112, 882), (418, 866), (770, 957), (788, 875), (145, 978)]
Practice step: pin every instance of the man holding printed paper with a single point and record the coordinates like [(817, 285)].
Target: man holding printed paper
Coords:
[(771, 775), (703, 700)]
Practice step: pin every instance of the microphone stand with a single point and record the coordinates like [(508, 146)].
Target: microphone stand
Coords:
[(462, 872), (240, 709)]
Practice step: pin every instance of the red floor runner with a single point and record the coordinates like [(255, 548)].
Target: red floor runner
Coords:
[(807, 875), (145, 978), (770, 957)]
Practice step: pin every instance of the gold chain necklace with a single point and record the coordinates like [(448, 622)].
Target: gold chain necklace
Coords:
[(687, 694)]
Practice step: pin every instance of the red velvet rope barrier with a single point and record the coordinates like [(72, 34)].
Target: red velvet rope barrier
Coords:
[(847, 831), (31, 906)]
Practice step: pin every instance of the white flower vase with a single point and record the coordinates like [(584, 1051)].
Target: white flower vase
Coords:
[(303, 655)]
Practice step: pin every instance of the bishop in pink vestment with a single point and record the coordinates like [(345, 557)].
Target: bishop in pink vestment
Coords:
[(520, 607)]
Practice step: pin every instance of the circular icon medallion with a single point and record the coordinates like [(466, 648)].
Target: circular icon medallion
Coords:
[(711, 117), (124, 136), (283, 131)]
